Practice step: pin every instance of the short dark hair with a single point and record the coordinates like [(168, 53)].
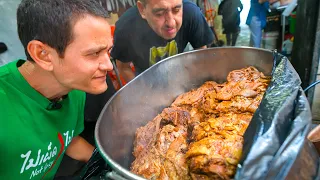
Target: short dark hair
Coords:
[(144, 2), (52, 21)]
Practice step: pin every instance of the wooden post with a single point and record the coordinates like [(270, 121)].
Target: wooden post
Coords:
[(304, 39)]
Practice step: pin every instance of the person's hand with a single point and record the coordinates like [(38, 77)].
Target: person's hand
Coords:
[(125, 71), (262, 1), (314, 135), (273, 1)]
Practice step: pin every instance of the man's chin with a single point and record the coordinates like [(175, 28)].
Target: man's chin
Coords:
[(97, 91), (169, 37)]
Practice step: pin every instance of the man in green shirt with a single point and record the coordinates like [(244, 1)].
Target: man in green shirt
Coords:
[(42, 99)]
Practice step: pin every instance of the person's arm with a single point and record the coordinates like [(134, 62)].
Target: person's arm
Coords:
[(241, 6), (125, 70), (220, 8), (262, 1), (122, 50), (79, 149), (314, 134), (199, 32), (203, 47), (273, 1)]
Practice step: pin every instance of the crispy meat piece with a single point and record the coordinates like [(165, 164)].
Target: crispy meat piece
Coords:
[(149, 162), (242, 88), (245, 74), (210, 102), (198, 116), (227, 91), (218, 154), (190, 98), (175, 162), (240, 104), (255, 103), (175, 116), (194, 97), (167, 135), (143, 136), (248, 93), (233, 123)]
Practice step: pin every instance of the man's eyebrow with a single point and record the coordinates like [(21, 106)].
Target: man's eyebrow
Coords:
[(155, 10), (94, 49)]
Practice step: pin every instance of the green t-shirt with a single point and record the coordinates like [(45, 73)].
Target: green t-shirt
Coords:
[(33, 139)]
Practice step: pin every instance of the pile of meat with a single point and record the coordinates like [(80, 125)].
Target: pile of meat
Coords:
[(200, 136)]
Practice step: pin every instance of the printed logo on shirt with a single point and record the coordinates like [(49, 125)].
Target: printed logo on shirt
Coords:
[(42, 161), (159, 53)]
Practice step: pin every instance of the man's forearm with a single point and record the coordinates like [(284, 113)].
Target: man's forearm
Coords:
[(202, 47), (79, 149), (127, 74), (262, 1), (125, 70)]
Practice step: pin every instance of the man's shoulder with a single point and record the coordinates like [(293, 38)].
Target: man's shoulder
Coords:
[(131, 16), (190, 7), (77, 95), (4, 70), (2, 93), (190, 11), (4, 73), (5, 76), (78, 98)]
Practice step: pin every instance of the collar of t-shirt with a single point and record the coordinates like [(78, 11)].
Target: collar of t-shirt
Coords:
[(22, 84)]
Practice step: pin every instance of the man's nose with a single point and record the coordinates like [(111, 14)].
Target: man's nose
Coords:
[(170, 21), (106, 64)]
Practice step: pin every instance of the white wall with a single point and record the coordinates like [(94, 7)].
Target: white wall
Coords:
[(8, 32), (245, 11)]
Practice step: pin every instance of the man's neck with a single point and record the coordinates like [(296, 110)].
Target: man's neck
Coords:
[(42, 81)]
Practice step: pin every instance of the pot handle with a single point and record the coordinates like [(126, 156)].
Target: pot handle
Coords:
[(114, 176)]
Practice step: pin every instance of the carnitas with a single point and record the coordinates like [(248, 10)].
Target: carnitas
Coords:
[(200, 136)]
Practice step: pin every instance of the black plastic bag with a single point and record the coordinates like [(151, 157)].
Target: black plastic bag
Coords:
[(95, 169), (275, 143)]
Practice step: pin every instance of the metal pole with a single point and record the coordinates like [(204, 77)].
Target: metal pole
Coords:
[(116, 71), (283, 27)]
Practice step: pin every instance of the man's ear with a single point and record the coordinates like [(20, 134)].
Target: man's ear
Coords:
[(40, 53), (141, 8)]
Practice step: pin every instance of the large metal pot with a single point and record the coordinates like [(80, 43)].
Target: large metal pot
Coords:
[(143, 98)]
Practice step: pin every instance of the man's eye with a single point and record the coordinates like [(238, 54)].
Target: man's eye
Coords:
[(95, 54), (176, 10), (159, 14)]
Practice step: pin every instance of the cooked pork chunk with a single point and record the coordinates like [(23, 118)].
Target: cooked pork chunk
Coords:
[(200, 136)]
